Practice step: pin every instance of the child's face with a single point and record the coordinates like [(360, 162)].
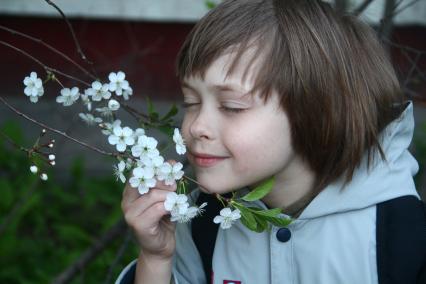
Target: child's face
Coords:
[(234, 139)]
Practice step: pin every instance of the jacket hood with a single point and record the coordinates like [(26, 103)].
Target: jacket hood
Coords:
[(384, 180)]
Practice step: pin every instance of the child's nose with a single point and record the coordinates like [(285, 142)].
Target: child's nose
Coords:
[(201, 127)]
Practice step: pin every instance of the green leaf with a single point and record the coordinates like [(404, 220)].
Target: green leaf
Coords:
[(270, 215), (166, 129), (260, 191), (247, 218), (150, 105), (267, 212), (210, 4), (172, 112), (279, 222), (262, 224)]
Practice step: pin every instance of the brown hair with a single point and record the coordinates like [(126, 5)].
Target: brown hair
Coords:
[(334, 79)]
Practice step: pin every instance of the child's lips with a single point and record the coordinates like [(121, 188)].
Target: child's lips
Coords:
[(205, 160)]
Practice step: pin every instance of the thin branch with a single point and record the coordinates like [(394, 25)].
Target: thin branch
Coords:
[(15, 32), (77, 44), (362, 7), (404, 7), (46, 68), (91, 253), (411, 71), (133, 110), (197, 183), (386, 26), (57, 131)]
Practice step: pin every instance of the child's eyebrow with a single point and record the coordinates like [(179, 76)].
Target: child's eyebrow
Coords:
[(228, 88)]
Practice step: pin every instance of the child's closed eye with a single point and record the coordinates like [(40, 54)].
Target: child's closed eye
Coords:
[(187, 104), (232, 109)]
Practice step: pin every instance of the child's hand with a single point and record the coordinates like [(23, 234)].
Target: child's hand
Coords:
[(146, 215)]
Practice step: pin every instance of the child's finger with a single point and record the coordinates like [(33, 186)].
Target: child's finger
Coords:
[(162, 185), (151, 217), (130, 194), (147, 200)]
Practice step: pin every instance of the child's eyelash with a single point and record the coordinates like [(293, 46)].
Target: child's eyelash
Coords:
[(233, 110), (226, 109), (186, 105)]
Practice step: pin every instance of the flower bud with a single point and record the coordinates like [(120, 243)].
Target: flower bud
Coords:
[(51, 157), (50, 145), (43, 176), (113, 105), (33, 169), (52, 163)]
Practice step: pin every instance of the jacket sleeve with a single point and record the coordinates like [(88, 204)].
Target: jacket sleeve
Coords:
[(401, 241), (187, 265)]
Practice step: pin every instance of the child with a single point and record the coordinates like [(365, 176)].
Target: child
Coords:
[(290, 89)]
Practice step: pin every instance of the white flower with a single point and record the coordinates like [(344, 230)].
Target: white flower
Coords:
[(52, 157), (105, 111), (176, 203), (190, 214), (127, 92), (113, 105), (89, 118), (170, 173), (34, 169), (118, 84), (34, 87), (180, 144), (121, 137), (110, 126), (138, 132), (143, 179), (179, 208), (43, 176), (86, 101), (98, 91), (153, 162), (68, 96), (146, 146), (227, 217), (118, 171)]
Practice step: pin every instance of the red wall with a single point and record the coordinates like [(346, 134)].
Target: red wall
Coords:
[(145, 51)]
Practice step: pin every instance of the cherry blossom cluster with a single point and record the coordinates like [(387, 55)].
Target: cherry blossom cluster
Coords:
[(180, 209), (137, 153)]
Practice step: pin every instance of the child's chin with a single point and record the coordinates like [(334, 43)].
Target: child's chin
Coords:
[(216, 188)]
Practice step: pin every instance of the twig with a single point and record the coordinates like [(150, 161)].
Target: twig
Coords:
[(15, 32), (133, 110), (197, 183), (46, 68), (362, 7), (77, 44), (411, 71), (57, 131), (91, 253), (404, 7)]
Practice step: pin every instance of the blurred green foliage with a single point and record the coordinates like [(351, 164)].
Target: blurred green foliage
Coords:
[(46, 226)]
